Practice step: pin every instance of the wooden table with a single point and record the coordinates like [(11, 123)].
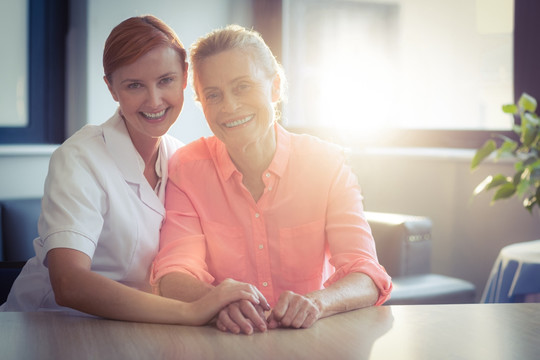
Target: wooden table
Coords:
[(472, 331)]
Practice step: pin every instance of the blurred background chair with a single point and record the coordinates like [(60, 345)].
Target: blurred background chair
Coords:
[(404, 249), (18, 229)]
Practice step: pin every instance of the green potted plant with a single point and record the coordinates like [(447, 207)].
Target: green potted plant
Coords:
[(525, 182)]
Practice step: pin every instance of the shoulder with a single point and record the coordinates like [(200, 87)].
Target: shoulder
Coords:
[(88, 142), (312, 146), (197, 150), (170, 144), (192, 155)]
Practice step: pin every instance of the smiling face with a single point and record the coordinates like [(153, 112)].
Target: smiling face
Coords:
[(237, 99), (150, 93)]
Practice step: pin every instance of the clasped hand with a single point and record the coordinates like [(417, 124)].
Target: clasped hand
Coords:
[(292, 310)]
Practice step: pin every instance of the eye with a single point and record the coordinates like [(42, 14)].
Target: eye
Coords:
[(212, 97), (134, 85), (167, 80), (243, 86)]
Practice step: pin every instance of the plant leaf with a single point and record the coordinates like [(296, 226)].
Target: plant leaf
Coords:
[(507, 148), (528, 133), (505, 191), (520, 175), (532, 118), (527, 102), (482, 153), (498, 180), (510, 109), (522, 186), (491, 182)]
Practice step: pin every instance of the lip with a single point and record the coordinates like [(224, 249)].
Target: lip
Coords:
[(239, 122), (154, 117)]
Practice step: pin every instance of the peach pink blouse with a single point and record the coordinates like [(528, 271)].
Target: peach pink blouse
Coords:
[(307, 230)]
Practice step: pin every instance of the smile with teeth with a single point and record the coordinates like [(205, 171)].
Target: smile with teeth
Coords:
[(153, 116), (239, 122)]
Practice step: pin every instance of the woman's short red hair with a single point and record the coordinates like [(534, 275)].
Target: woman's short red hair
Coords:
[(136, 36)]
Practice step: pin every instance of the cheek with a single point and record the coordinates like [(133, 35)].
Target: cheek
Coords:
[(207, 111)]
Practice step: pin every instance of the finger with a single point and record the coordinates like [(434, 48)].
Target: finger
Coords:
[(255, 314), (221, 326), (293, 308), (272, 322), (310, 320), (307, 315), (252, 294), (262, 300), (241, 314), (226, 323), (281, 307), (299, 319)]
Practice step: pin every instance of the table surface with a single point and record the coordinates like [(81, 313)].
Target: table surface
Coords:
[(468, 331)]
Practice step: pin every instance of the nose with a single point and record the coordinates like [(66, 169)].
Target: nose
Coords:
[(154, 98), (230, 103)]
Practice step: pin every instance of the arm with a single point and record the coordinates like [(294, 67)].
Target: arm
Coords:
[(76, 286), (359, 280), (184, 287), (354, 291)]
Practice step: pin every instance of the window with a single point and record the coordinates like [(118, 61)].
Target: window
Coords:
[(39, 93), (400, 72)]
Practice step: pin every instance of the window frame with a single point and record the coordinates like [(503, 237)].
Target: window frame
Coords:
[(47, 32)]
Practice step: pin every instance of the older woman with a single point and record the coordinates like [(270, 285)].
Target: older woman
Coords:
[(258, 204), (103, 203)]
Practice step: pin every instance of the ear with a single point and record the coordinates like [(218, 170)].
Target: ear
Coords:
[(276, 93), (111, 90)]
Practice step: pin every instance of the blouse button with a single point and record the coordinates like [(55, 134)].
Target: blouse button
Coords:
[(257, 215), (261, 246), (265, 284), (267, 174)]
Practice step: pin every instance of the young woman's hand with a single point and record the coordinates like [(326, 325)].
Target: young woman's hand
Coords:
[(227, 292)]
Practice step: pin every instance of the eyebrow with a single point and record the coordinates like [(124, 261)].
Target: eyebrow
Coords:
[(159, 77), (239, 78)]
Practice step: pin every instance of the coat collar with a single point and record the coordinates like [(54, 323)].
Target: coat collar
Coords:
[(129, 162)]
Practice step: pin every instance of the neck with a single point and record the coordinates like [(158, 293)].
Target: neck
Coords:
[(252, 160), (148, 148)]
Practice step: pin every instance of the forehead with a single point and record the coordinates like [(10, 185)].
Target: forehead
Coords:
[(155, 63), (226, 67)]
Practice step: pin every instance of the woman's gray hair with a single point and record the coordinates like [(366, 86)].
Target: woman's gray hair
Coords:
[(235, 37)]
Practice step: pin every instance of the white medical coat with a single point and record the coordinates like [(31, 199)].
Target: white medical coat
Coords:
[(96, 200)]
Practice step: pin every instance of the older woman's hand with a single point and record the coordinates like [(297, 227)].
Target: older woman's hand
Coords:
[(242, 317), (294, 310)]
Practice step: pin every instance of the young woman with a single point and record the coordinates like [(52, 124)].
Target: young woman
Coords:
[(102, 207)]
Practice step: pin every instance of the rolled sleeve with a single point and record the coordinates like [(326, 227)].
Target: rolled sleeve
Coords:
[(71, 240), (352, 246)]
